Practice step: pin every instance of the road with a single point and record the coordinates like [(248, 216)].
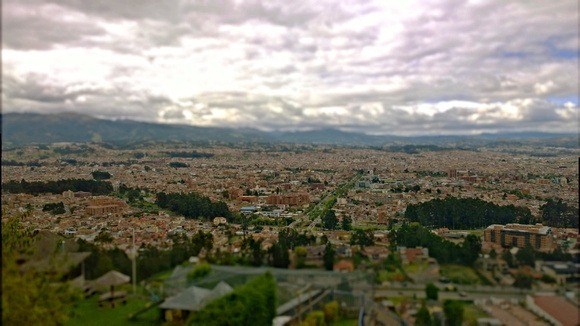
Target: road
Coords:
[(463, 292), (303, 220)]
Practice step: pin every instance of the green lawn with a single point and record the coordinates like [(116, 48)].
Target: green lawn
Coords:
[(460, 274), (471, 313), (87, 313)]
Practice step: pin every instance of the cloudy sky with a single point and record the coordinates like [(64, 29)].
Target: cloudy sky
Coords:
[(384, 67)]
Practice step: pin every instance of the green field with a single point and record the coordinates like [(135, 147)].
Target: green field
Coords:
[(460, 274), (87, 313)]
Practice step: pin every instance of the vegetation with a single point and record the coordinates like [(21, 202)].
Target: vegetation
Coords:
[(432, 292), (346, 223), (54, 208), (460, 274), (465, 213), (30, 297), (328, 257), (362, 238), (200, 271), (193, 205), (423, 317), (414, 235), (454, 312), (253, 303), (558, 214), (329, 220), (192, 154), (178, 164), (101, 175), (58, 187)]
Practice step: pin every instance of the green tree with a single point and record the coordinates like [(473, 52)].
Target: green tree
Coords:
[(328, 257), (509, 258), (279, 256), (253, 303), (362, 238), (300, 254), (200, 271), (331, 312), (432, 292), (30, 297), (470, 249), (454, 312), (346, 223), (523, 281), (526, 256), (329, 220), (423, 317)]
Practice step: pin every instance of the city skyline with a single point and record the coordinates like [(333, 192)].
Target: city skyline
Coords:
[(446, 67)]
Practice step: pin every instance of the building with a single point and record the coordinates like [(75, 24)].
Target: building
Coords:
[(291, 199), (519, 235), (555, 309), (105, 205)]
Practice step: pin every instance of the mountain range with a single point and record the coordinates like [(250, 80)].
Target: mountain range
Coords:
[(20, 129)]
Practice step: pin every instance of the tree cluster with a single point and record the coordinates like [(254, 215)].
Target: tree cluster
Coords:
[(558, 214), (101, 175), (95, 187), (253, 303), (54, 208), (193, 205), (192, 154), (414, 235), (465, 213)]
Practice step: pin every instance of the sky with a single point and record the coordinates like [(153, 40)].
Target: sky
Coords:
[(377, 67)]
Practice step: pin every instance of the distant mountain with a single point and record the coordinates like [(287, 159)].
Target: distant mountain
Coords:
[(30, 128)]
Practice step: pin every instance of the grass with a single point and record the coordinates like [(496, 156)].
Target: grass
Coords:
[(415, 268), (460, 274), (87, 313), (471, 313), (385, 275)]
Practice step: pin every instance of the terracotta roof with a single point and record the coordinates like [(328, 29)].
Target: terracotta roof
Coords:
[(559, 308)]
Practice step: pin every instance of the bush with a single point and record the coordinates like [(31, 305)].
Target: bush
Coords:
[(199, 271), (331, 312), (253, 303)]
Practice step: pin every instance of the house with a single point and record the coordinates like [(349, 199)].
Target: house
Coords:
[(413, 255), (375, 253), (219, 220), (344, 265), (314, 255)]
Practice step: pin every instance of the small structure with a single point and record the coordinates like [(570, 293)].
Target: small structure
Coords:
[(110, 280), (192, 299)]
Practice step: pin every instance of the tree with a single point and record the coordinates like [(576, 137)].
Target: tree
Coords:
[(329, 220), (200, 271), (362, 238), (253, 303), (328, 256), (432, 292), (300, 253), (523, 281), (509, 258), (493, 254), (279, 256), (454, 312), (526, 256), (470, 249), (331, 312), (423, 317), (346, 223), (30, 297)]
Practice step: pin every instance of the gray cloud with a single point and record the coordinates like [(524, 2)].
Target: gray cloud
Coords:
[(449, 66)]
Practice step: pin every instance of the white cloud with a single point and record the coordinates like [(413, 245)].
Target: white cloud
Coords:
[(400, 67)]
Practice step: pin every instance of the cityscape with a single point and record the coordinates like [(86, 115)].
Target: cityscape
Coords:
[(315, 164)]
